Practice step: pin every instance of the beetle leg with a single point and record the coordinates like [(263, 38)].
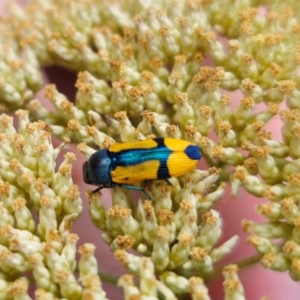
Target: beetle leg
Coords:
[(136, 188)]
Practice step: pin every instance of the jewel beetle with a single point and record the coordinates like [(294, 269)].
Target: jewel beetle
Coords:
[(125, 164)]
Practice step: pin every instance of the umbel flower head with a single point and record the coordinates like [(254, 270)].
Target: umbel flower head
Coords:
[(148, 70)]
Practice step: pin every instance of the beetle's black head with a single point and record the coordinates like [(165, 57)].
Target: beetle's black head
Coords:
[(85, 171), (97, 169)]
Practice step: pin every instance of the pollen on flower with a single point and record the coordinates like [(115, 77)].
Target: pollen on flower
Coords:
[(121, 256), (162, 232), (198, 253), (41, 148), (6, 120), (294, 179), (230, 269), (18, 288), (274, 39), (85, 88), (172, 129), (148, 209), (70, 156), (118, 211), (67, 106), (18, 204), (147, 75), (190, 131), (91, 130), (121, 116), (73, 125), (4, 188), (296, 131), (258, 125), (185, 238), (15, 164), (268, 259), (65, 170), (254, 240), (248, 85), (247, 225), (261, 151), (163, 31), (269, 194), (288, 204), (223, 125), (135, 92), (155, 63), (231, 284), (290, 115), (247, 59), (86, 249), (174, 79), (165, 216), (233, 45), (247, 102), (50, 92), (296, 265), (250, 164), (46, 202), (289, 247), (217, 151), (275, 69), (73, 192), (265, 208), (125, 241), (272, 16), (205, 111), (286, 86), (246, 28), (209, 218)]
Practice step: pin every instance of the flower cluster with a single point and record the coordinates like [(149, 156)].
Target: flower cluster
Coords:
[(45, 247), (146, 71)]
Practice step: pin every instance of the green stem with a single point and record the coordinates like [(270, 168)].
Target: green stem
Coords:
[(241, 264), (108, 277)]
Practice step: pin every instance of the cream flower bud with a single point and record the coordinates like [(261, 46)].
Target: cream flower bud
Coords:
[(276, 261), (252, 90), (178, 284), (88, 262), (69, 250), (23, 215), (161, 249), (198, 289), (73, 202), (96, 210), (291, 249), (5, 217), (62, 180), (130, 261), (267, 230), (227, 155), (127, 131), (263, 245), (129, 289), (180, 251), (277, 149), (185, 112), (41, 273), (271, 211), (148, 221), (209, 199), (295, 269), (210, 232), (19, 289), (204, 120), (201, 261), (218, 253), (232, 286), (289, 210)]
